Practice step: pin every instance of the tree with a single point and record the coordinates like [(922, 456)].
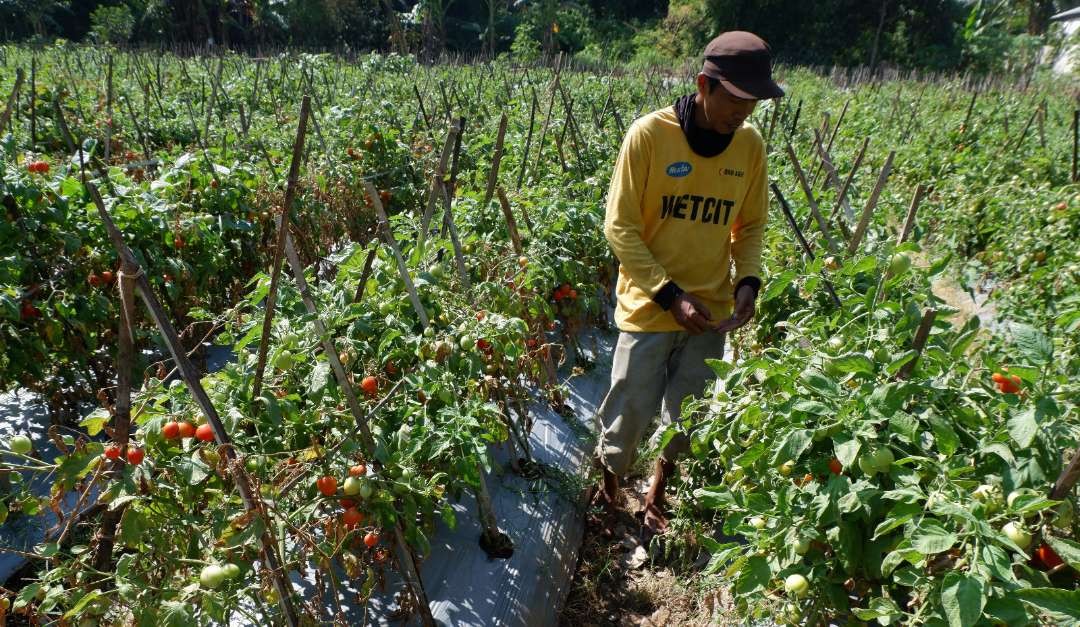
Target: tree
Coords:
[(112, 24)]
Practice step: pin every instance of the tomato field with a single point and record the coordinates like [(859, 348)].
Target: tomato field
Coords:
[(399, 259)]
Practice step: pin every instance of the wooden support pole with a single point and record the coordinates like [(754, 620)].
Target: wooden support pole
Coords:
[(833, 246), (551, 105), (496, 161), (108, 110), (12, 97), (1076, 145), (842, 195), (279, 245), (807, 250), (913, 208), (832, 177), (511, 223), (403, 268), (921, 335), (437, 182), (871, 203), (33, 100)]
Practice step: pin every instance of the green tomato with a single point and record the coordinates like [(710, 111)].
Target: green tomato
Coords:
[(883, 458), (284, 360), (866, 465), (1017, 534), (232, 571), (757, 522), (786, 468), (366, 490), (467, 342), (352, 486), (792, 614), (802, 546), (989, 496), (836, 343), (20, 445), (212, 576), (797, 584), (899, 264)]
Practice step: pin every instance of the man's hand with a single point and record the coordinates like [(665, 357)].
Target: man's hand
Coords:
[(744, 310), (691, 313)]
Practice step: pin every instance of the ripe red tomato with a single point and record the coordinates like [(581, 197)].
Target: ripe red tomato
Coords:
[(370, 385), (358, 470), (38, 167), (178, 242), (346, 503), (187, 430), (835, 466), (171, 430), (371, 539), (483, 344), (205, 433), (135, 456), (391, 369), (1048, 557), (327, 485), (106, 277), (29, 311), (531, 342), (352, 517), (384, 196), (572, 294), (94, 280), (112, 452)]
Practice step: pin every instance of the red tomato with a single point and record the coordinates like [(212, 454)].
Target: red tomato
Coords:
[(135, 456), (106, 277), (171, 430), (112, 452), (483, 344), (572, 294), (94, 280), (347, 503), (371, 539), (358, 470), (327, 485), (1048, 556), (187, 430), (835, 466), (205, 433), (352, 517), (370, 385)]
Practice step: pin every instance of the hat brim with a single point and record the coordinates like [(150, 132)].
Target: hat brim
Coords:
[(753, 90)]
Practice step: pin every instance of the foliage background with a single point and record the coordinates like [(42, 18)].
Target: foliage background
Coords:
[(980, 35)]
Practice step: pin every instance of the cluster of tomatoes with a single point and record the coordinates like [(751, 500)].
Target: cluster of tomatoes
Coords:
[(28, 311), (352, 491), (100, 280), (38, 167), (135, 455), (564, 292), (1006, 384), (175, 430)]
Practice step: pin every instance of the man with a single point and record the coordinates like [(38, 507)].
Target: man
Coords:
[(687, 199)]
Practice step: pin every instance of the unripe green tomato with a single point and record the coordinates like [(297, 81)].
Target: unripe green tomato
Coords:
[(866, 465), (1017, 534), (352, 486), (836, 343), (899, 263), (989, 496), (883, 459), (757, 522), (802, 546), (284, 360), (20, 445), (212, 576), (5, 604), (232, 571), (366, 490), (796, 584), (786, 468), (792, 614)]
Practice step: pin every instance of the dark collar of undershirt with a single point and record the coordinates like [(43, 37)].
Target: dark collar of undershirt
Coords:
[(705, 142)]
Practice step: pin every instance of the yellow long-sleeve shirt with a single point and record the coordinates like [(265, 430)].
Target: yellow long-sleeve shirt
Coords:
[(673, 215)]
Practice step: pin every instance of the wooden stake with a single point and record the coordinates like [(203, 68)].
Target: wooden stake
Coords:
[(840, 199), (868, 210), (921, 335), (403, 268), (11, 99), (833, 247), (496, 161), (279, 245), (1076, 145), (807, 250), (909, 221), (435, 194)]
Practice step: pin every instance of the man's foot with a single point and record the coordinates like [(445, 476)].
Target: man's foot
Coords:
[(656, 520), (604, 503)]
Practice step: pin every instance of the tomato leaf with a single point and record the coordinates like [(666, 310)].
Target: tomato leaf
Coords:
[(793, 446), (962, 598), (1033, 344), (1023, 427), (1060, 604), (853, 362), (754, 576), (932, 537)]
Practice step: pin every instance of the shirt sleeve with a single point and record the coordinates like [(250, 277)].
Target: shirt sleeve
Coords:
[(623, 223), (748, 230)]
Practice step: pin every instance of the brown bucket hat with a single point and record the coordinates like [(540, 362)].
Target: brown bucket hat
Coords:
[(742, 62)]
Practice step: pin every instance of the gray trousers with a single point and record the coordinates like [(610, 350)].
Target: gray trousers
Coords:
[(651, 372)]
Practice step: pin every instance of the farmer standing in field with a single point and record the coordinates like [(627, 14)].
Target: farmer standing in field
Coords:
[(687, 200)]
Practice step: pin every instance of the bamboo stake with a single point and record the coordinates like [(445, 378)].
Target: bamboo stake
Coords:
[(11, 99), (437, 182), (511, 223), (807, 250), (832, 178), (33, 100), (108, 110), (551, 104), (840, 200), (833, 247), (1076, 145), (909, 221), (403, 269), (279, 245), (832, 138), (868, 210), (921, 335), (496, 161)]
